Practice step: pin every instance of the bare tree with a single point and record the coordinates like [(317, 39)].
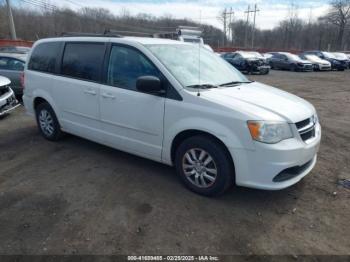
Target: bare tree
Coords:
[(339, 15)]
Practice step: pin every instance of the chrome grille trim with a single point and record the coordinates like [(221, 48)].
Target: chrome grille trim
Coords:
[(306, 129)]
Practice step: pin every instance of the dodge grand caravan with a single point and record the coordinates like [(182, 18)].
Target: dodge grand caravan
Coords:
[(174, 103)]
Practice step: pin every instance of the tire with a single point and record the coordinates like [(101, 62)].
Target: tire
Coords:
[(185, 162), (47, 122)]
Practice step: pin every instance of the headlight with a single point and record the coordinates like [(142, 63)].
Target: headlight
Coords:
[(269, 132)]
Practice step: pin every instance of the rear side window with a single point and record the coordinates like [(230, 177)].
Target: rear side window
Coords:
[(44, 57), (83, 60)]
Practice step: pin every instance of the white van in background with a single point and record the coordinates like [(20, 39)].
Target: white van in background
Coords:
[(163, 100)]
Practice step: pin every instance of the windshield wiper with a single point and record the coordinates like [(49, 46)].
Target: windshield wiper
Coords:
[(236, 83), (203, 86)]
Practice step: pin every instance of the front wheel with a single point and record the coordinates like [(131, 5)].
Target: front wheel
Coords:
[(47, 122), (204, 166)]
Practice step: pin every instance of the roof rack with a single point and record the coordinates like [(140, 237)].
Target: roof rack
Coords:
[(76, 34)]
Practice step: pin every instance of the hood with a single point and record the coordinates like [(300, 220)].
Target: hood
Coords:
[(253, 59), (319, 61), (4, 81), (305, 62), (263, 102)]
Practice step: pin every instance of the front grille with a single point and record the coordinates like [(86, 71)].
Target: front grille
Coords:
[(309, 67), (306, 129)]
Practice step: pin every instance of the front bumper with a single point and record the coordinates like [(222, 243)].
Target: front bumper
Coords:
[(305, 68), (8, 102), (261, 69), (260, 168), (325, 67)]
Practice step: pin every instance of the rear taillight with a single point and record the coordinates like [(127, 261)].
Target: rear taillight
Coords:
[(22, 79)]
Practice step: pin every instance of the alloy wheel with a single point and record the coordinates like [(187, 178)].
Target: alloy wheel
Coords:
[(46, 122), (199, 168)]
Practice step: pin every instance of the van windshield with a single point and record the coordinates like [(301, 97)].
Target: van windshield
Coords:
[(184, 63)]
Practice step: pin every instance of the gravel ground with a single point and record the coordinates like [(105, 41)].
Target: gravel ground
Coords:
[(78, 197)]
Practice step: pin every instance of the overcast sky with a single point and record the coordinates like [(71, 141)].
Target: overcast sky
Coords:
[(271, 11)]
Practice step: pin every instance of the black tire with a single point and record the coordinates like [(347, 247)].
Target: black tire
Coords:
[(221, 160), (56, 132)]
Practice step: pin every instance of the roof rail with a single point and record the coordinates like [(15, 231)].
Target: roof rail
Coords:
[(127, 33), (77, 34)]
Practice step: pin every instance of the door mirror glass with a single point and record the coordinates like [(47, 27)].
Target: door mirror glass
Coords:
[(149, 84)]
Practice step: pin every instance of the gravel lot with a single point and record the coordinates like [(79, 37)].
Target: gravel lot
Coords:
[(78, 197)]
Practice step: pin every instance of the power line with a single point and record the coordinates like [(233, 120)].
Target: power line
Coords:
[(36, 4), (74, 3)]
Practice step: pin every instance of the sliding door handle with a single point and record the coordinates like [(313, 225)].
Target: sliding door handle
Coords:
[(106, 95), (90, 92)]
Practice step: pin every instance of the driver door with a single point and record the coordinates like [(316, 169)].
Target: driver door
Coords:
[(131, 120)]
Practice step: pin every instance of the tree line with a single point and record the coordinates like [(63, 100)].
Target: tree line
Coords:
[(35, 24), (329, 32), (332, 31)]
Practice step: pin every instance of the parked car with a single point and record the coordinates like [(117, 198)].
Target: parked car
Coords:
[(288, 61), (318, 63), (248, 62), (12, 66), (15, 49), (8, 100), (343, 57), (267, 57), (191, 110), (335, 62)]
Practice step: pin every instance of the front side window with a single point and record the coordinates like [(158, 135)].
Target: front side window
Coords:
[(194, 65), (44, 57), (126, 65), (83, 60)]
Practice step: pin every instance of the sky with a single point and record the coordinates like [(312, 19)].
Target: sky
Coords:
[(204, 11)]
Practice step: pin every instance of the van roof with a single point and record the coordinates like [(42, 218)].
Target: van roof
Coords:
[(133, 39)]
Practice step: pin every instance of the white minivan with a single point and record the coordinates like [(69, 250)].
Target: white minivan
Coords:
[(175, 103)]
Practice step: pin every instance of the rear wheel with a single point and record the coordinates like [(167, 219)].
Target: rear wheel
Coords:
[(204, 166), (47, 122)]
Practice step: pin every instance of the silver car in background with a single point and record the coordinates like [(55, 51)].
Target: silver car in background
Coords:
[(318, 63), (12, 66)]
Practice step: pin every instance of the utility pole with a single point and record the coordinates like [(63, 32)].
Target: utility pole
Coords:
[(224, 40), (227, 14), (253, 33), (231, 29), (246, 26), (10, 21)]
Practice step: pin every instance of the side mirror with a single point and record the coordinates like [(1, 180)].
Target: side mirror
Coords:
[(149, 84)]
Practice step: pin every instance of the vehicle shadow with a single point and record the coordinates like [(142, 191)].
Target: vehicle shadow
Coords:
[(166, 175)]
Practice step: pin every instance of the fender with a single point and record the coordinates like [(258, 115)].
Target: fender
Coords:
[(228, 137)]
